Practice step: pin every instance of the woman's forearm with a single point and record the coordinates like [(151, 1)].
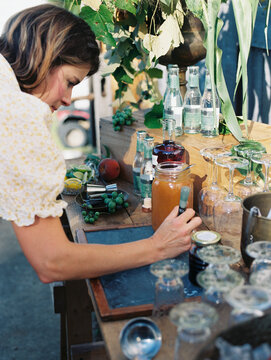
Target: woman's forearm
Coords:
[(55, 258)]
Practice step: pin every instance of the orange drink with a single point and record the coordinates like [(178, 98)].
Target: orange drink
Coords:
[(169, 178)]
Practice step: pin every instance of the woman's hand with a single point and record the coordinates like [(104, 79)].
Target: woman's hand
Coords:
[(174, 235)]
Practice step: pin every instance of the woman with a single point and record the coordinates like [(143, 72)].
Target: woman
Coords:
[(45, 52)]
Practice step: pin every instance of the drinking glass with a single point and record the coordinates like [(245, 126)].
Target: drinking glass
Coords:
[(228, 211), (193, 321), (263, 159), (209, 195), (260, 270), (218, 278), (247, 186), (248, 301), (169, 288)]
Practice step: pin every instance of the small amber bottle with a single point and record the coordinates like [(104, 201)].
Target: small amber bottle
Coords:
[(200, 239)]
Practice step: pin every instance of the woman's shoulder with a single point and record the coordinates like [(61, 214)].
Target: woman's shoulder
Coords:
[(13, 100)]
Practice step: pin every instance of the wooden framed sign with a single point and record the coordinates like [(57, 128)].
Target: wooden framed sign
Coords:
[(127, 293)]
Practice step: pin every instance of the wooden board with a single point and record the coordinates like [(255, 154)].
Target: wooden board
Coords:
[(131, 292)]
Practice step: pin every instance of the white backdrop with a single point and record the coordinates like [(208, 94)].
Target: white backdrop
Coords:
[(14, 6)]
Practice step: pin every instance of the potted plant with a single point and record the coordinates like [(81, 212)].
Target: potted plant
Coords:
[(137, 33)]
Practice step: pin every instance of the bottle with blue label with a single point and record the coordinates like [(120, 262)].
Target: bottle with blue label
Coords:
[(173, 102), (209, 118), (138, 160), (147, 172), (192, 103)]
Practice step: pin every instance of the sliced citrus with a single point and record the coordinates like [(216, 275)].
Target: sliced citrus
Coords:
[(83, 168), (73, 183), (78, 175)]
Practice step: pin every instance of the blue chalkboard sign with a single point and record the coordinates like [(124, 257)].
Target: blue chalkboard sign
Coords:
[(132, 291)]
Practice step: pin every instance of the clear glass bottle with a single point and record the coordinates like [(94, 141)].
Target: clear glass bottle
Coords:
[(209, 121), (146, 172), (192, 100), (138, 160), (173, 102), (168, 150)]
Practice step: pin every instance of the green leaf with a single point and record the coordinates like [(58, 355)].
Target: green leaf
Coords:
[(124, 48), (155, 73), (245, 14), (122, 88), (166, 2), (126, 5), (99, 21), (121, 76), (266, 26), (154, 116)]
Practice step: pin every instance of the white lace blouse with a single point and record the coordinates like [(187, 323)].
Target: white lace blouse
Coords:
[(32, 168)]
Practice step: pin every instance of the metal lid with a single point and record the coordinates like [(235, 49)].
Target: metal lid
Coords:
[(206, 237)]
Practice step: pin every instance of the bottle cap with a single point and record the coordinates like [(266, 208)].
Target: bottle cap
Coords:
[(206, 237)]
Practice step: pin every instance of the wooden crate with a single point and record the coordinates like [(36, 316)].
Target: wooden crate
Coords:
[(123, 147)]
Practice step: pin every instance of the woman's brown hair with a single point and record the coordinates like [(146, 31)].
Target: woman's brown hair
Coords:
[(42, 37)]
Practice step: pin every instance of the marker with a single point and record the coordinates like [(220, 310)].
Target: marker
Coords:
[(183, 199)]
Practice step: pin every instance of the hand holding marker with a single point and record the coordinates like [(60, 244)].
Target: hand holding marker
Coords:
[(183, 199)]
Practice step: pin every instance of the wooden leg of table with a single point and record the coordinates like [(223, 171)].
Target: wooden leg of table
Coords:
[(79, 323)]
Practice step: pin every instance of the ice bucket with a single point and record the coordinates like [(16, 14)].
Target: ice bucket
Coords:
[(255, 227)]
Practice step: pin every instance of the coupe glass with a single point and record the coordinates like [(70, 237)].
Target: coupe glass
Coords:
[(209, 195), (218, 278), (193, 321), (247, 186), (169, 288), (263, 159), (248, 301), (228, 211)]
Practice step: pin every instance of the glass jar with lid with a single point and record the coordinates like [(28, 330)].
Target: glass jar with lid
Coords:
[(166, 189), (200, 239)]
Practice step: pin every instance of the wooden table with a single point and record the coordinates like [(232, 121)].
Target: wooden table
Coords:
[(111, 329)]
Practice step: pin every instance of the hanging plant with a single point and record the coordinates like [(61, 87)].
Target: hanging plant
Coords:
[(139, 32)]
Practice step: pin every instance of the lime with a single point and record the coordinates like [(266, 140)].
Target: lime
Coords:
[(78, 175), (91, 220), (125, 205), (83, 168)]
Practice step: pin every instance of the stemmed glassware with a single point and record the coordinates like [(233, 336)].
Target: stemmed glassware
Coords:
[(209, 195), (263, 159), (169, 288), (248, 301), (218, 278), (228, 210), (260, 270), (193, 321), (247, 186)]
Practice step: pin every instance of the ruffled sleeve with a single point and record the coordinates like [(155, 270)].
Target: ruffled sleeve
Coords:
[(32, 167)]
